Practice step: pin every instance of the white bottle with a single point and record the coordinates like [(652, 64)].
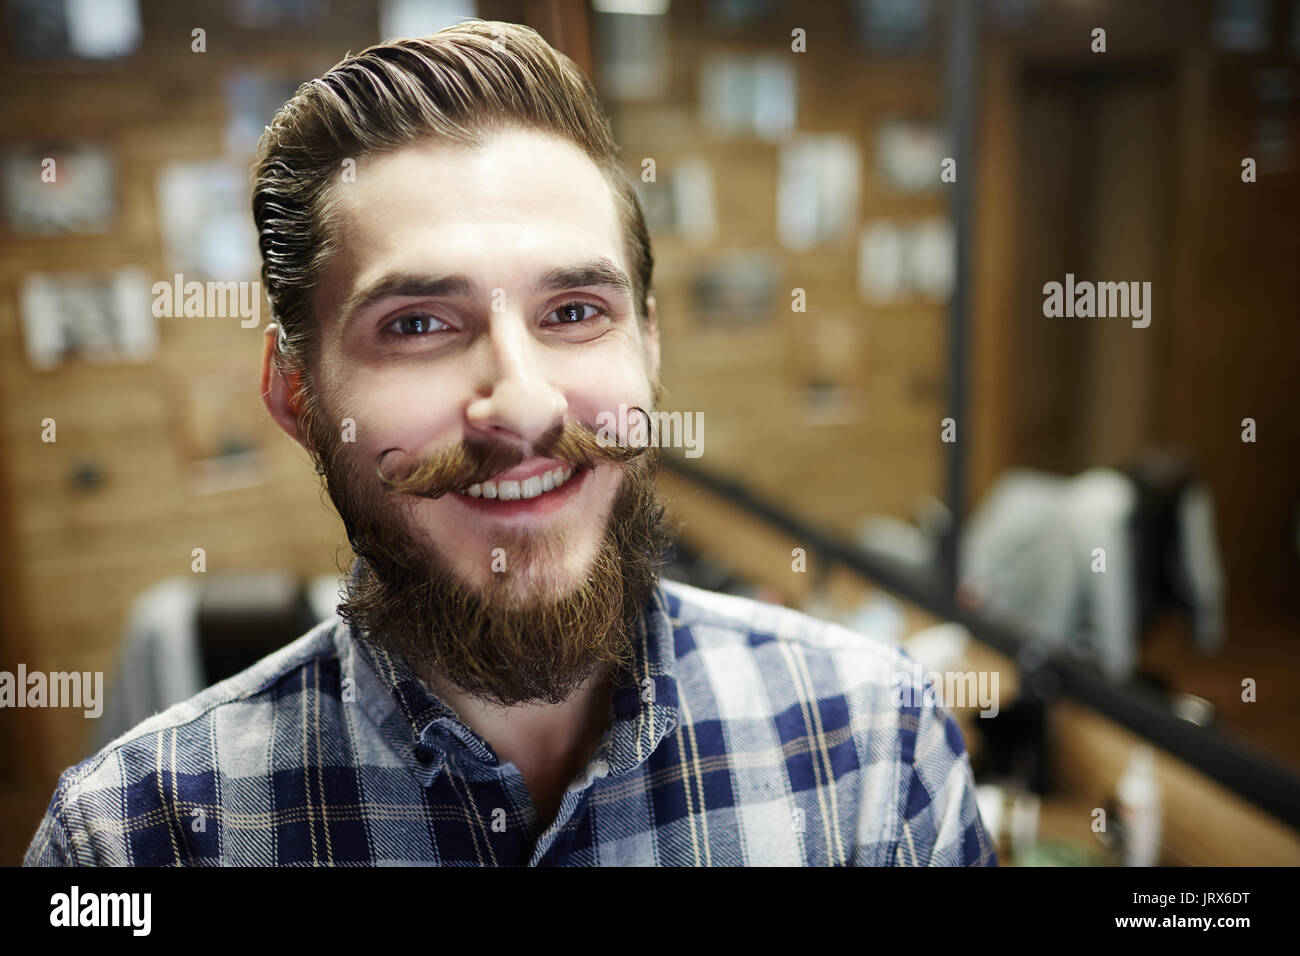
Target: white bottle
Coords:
[(1138, 797)]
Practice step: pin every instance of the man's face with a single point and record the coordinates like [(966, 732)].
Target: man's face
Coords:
[(483, 296)]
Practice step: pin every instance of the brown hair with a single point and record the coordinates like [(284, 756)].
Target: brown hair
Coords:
[(458, 85)]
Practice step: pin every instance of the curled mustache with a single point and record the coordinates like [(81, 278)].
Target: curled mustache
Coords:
[(477, 459)]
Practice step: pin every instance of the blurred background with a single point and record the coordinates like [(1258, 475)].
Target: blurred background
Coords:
[(857, 207)]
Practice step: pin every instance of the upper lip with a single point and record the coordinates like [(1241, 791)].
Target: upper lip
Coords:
[(530, 469)]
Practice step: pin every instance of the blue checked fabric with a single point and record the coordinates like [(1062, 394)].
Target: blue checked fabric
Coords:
[(748, 734)]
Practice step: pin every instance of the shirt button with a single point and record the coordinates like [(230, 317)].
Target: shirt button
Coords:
[(424, 754), (599, 768)]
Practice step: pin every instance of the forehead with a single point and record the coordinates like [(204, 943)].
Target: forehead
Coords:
[(523, 203)]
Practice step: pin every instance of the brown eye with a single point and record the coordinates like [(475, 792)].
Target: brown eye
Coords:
[(571, 313), (414, 324)]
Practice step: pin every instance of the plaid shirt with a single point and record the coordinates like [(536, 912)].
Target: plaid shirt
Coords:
[(750, 734)]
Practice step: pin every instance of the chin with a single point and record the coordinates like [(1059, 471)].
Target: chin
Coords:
[(539, 582), (550, 574)]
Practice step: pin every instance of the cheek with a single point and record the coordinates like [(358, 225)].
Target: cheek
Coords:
[(604, 386), (609, 477), (390, 414)]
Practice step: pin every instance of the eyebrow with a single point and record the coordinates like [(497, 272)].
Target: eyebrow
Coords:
[(598, 273), (601, 272)]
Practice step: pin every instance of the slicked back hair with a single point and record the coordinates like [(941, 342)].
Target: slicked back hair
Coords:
[(459, 85)]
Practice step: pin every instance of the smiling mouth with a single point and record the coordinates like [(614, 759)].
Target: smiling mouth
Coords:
[(527, 488)]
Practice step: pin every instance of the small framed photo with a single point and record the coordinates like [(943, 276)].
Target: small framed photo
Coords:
[(909, 154), (59, 189), (96, 317), (817, 202), (735, 291), (749, 95), (681, 202), (207, 232)]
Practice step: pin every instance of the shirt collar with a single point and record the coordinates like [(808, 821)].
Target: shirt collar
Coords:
[(643, 708)]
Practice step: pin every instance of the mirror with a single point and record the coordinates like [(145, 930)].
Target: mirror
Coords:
[(1131, 490)]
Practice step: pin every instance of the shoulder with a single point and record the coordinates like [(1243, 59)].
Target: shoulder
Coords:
[(249, 691), (738, 658), (100, 800), (845, 714), (741, 656), (709, 626), (764, 669)]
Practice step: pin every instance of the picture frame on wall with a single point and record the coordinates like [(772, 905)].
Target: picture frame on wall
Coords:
[(909, 154), (207, 232), (906, 260), (681, 201), (55, 189), (895, 26), (735, 291), (749, 95), (99, 317), (820, 186), (54, 30)]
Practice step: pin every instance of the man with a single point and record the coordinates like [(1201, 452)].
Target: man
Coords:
[(460, 276)]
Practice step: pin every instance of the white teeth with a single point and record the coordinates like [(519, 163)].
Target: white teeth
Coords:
[(517, 490)]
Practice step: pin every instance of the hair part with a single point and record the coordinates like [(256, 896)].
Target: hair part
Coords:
[(460, 85)]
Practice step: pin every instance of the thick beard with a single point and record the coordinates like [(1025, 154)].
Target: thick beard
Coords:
[(495, 644)]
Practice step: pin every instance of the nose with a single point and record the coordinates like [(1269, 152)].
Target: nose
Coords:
[(515, 398)]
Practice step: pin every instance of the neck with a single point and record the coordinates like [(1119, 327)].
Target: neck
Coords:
[(555, 739)]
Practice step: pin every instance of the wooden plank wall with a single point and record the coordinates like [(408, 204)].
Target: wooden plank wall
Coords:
[(745, 381), (75, 558)]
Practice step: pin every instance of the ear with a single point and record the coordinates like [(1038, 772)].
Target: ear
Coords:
[(281, 397), (651, 337)]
